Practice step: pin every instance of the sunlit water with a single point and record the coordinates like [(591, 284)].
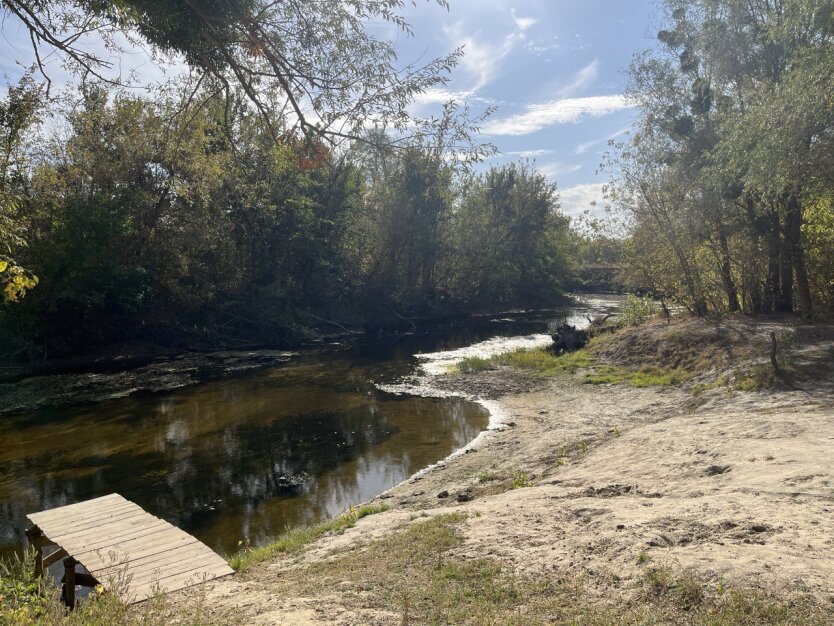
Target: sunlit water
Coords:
[(246, 458)]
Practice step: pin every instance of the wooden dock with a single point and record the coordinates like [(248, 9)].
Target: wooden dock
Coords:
[(123, 547)]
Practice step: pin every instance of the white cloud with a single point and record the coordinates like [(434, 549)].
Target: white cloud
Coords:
[(563, 111), (553, 170), (582, 148), (584, 78), (523, 23), (481, 59), (576, 200), (529, 154)]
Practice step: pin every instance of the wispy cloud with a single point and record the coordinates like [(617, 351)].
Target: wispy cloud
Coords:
[(562, 111), (582, 148), (529, 154), (575, 201), (481, 60), (553, 170), (583, 79), (523, 23)]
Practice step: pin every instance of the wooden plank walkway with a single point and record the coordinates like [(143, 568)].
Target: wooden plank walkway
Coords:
[(123, 547)]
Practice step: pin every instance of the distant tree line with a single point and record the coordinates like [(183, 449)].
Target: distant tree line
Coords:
[(175, 220), (728, 181)]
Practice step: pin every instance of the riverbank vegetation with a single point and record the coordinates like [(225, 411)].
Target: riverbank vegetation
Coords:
[(727, 183), (145, 225)]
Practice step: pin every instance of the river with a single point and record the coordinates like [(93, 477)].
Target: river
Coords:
[(246, 458)]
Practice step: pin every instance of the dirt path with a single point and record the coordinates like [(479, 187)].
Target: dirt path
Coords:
[(737, 487)]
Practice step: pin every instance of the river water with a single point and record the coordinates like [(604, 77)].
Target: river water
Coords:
[(246, 458)]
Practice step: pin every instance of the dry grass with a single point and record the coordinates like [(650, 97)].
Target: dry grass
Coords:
[(417, 574)]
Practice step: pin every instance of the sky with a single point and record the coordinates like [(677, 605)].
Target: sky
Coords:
[(552, 68)]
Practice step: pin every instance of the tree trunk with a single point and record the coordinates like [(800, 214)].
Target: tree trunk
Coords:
[(784, 302), (793, 232), (772, 280), (726, 271)]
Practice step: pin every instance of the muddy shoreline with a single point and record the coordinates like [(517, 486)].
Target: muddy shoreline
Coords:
[(161, 374)]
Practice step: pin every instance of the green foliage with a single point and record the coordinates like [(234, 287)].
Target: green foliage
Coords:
[(521, 479), (637, 309), (295, 539), (728, 180), (649, 376), (156, 225)]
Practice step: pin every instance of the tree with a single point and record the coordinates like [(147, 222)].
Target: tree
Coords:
[(18, 113), (307, 68)]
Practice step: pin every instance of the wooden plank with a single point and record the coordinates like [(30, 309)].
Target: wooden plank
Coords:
[(105, 539), (77, 508), (163, 555), (66, 524), (95, 562), (83, 522), (101, 528), (56, 556), (203, 562), (137, 543)]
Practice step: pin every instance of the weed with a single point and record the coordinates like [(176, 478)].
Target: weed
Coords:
[(521, 479), (475, 364), (486, 477)]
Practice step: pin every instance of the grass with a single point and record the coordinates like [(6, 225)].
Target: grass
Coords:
[(294, 540), (759, 377), (487, 477), (29, 601), (721, 381), (650, 376), (541, 362), (417, 575), (521, 479)]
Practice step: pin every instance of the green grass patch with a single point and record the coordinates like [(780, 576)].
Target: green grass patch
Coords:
[(541, 362), (294, 540), (475, 364), (643, 377), (521, 479)]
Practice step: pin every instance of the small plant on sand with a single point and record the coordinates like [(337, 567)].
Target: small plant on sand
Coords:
[(486, 477), (521, 479)]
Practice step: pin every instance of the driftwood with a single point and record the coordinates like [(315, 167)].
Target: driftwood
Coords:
[(568, 338)]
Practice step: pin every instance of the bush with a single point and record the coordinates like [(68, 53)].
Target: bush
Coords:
[(637, 309)]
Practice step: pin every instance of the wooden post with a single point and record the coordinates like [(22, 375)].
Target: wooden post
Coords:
[(773, 360), (69, 581), (35, 537)]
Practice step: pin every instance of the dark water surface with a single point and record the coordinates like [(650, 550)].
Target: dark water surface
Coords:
[(249, 457)]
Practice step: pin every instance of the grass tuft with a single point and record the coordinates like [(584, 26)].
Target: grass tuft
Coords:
[(295, 539), (644, 377)]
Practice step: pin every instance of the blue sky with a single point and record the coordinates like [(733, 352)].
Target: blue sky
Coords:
[(553, 69)]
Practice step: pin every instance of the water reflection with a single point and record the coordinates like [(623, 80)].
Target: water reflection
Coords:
[(251, 456)]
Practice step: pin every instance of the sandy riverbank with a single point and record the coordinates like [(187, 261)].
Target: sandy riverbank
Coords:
[(600, 487)]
